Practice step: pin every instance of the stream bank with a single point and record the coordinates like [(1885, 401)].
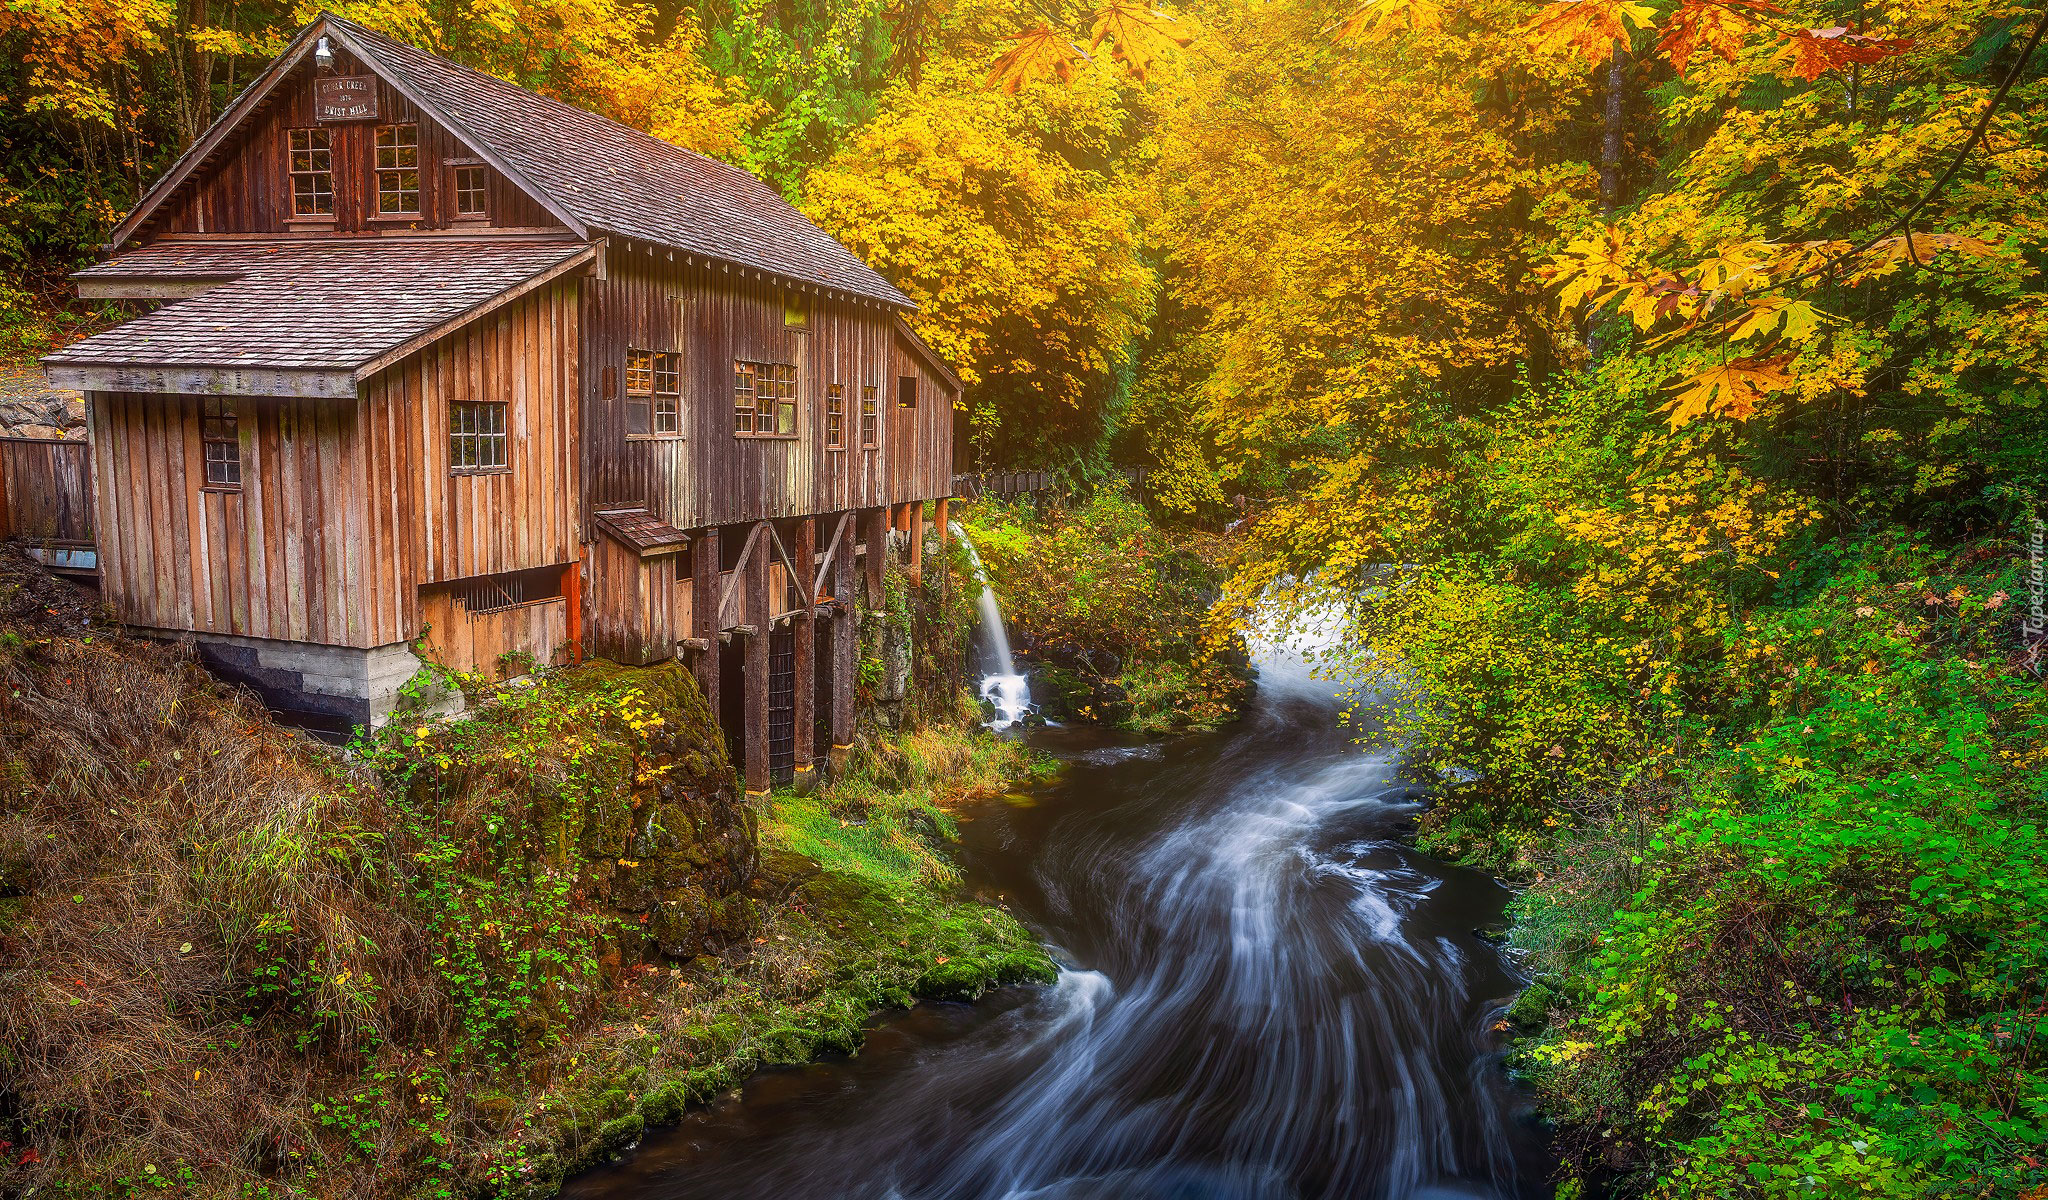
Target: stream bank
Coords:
[(471, 956)]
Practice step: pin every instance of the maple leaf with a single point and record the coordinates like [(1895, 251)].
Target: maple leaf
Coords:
[(1815, 52), (1716, 26), (1730, 390), (1378, 19), (1041, 53), (1887, 255), (1588, 28), (1138, 35), (1799, 319)]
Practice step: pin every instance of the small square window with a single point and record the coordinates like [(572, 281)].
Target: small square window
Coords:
[(764, 399), (476, 437), (654, 392), (469, 191), (796, 313), (906, 391)]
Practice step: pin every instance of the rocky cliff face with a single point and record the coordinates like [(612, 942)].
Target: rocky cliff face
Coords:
[(31, 407)]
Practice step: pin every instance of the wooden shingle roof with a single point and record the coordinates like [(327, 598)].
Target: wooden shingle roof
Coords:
[(617, 179), (297, 317), (598, 176), (640, 529)]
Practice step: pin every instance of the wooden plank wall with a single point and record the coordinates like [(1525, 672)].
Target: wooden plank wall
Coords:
[(45, 489), (708, 476), (638, 608), (346, 508), (921, 454), (285, 557), (426, 525), (247, 189), (465, 641)]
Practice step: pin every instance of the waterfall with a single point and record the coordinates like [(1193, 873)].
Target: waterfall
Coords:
[(1005, 690)]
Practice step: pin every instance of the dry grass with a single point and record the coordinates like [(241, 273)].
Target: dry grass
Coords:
[(173, 851)]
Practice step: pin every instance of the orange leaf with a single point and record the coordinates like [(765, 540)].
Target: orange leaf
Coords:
[(1138, 35), (1587, 28), (1730, 390), (1716, 26), (1889, 254), (1041, 53), (1815, 52)]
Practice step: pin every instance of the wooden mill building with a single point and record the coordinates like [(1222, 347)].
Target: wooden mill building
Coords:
[(436, 362)]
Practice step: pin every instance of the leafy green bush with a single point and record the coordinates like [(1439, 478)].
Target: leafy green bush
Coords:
[(1820, 973), (1102, 592)]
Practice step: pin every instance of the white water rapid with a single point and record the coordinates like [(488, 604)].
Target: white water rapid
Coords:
[(1268, 994)]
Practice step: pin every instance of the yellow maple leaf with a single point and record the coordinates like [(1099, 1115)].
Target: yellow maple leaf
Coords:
[(1137, 35), (1041, 53), (1587, 28), (1379, 19), (1730, 390), (1889, 254)]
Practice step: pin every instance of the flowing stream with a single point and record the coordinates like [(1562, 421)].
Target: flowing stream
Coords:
[(1268, 996)]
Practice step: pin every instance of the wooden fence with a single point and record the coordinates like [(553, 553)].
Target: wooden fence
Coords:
[(1006, 484), (46, 490)]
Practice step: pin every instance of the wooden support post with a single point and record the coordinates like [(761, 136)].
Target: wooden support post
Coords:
[(572, 593), (705, 560), (875, 532), (845, 651), (760, 608), (805, 636), (915, 524)]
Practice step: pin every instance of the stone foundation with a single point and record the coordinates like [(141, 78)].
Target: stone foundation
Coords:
[(331, 688)]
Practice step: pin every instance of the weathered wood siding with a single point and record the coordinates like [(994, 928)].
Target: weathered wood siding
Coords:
[(346, 507), (45, 489), (285, 557), (709, 476), (465, 641), (921, 452), (639, 608), (247, 188), (428, 525)]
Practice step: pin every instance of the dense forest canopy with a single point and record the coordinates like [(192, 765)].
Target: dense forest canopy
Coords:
[(1690, 356)]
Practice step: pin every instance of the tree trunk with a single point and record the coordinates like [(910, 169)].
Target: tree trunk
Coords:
[(1610, 141)]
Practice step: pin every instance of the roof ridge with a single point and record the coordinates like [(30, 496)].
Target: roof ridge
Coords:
[(500, 81)]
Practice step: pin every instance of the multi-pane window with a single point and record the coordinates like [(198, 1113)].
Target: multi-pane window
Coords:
[(668, 393), (764, 399), (835, 416), (221, 441), (870, 416), (654, 392), (906, 391), (476, 436), (469, 191), (312, 171), (398, 169)]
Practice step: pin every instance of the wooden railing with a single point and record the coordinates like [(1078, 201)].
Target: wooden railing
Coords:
[(1006, 484), (46, 490)]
